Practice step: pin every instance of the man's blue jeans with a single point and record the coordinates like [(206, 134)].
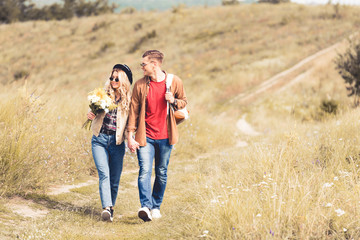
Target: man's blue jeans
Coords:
[(108, 158), (160, 150)]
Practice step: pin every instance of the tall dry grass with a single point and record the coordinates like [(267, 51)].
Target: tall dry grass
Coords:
[(39, 145), (22, 157), (301, 184)]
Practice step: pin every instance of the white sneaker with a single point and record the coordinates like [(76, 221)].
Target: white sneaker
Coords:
[(144, 214), (107, 215), (155, 213)]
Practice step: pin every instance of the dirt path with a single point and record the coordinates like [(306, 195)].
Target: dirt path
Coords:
[(59, 189), (283, 80), (25, 208), (30, 209), (245, 127), (291, 75)]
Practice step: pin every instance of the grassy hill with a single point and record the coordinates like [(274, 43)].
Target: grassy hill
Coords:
[(231, 40), (280, 185)]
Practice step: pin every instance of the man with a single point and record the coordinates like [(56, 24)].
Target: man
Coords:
[(154, 123)]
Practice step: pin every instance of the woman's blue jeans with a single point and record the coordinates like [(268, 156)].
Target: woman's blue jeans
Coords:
[(108, 158), (160, 150)]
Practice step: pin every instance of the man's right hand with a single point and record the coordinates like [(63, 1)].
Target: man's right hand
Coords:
[(91, 115)]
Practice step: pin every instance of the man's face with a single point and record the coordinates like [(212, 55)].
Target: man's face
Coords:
[(147, 66)]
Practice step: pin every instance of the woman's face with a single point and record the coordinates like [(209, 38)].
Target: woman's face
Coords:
[(115, 83)]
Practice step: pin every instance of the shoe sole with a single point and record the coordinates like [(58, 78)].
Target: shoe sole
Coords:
[(106, 216), (144, 216)]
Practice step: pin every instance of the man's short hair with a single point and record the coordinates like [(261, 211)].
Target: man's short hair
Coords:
[(154, 54)]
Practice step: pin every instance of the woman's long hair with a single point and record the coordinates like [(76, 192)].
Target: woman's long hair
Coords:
[(124, 90)]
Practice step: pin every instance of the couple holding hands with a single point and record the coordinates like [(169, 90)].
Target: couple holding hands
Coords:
[(145, 120)]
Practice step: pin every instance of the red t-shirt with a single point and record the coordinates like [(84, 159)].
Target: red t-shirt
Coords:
[(156, 111)]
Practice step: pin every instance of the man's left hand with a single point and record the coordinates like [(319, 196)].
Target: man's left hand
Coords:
[(169, 97)]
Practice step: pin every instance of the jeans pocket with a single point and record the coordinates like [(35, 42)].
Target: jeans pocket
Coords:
[(95, 139)]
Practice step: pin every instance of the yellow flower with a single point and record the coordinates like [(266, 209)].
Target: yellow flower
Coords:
[(100, 92)]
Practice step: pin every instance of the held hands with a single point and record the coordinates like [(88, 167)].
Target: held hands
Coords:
[(91, 115), (169, 97), (133, 145)]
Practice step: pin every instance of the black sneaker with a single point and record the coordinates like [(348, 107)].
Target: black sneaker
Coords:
[(112, 214), (107, 215)]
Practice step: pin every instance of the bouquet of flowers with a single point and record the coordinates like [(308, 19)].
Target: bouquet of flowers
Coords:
[(99, 101)]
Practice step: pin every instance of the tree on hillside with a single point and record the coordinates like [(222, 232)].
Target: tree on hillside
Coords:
[(11, 10), (273, 1), (229, 2), (85, 8), (24, 10), (348, 65), (68, 8)]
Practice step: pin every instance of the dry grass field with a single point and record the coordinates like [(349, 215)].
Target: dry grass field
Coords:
[(296, 178)]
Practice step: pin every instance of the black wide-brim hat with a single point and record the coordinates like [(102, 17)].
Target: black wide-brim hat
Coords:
[(126, 69)]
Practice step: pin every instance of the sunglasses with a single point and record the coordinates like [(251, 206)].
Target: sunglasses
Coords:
[(112, 79), (144, 64)]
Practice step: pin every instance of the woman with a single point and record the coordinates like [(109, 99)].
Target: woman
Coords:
[(107, 143)]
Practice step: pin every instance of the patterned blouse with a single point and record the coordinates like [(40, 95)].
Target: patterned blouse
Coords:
[(109, 123)]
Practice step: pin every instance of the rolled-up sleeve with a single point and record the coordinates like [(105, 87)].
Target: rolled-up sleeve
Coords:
[(134, 110), (179, 93)]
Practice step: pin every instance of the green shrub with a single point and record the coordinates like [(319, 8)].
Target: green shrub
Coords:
[(106, 46), (100, 25), (128, 10), (329, 106), (348, 66), (142, 40), (178, 8), (138, 26), (21, 74)]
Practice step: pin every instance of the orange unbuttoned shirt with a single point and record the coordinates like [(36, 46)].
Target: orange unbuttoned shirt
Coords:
[(137, 112)]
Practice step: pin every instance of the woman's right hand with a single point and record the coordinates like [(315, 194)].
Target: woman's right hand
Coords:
[(91, 115)]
